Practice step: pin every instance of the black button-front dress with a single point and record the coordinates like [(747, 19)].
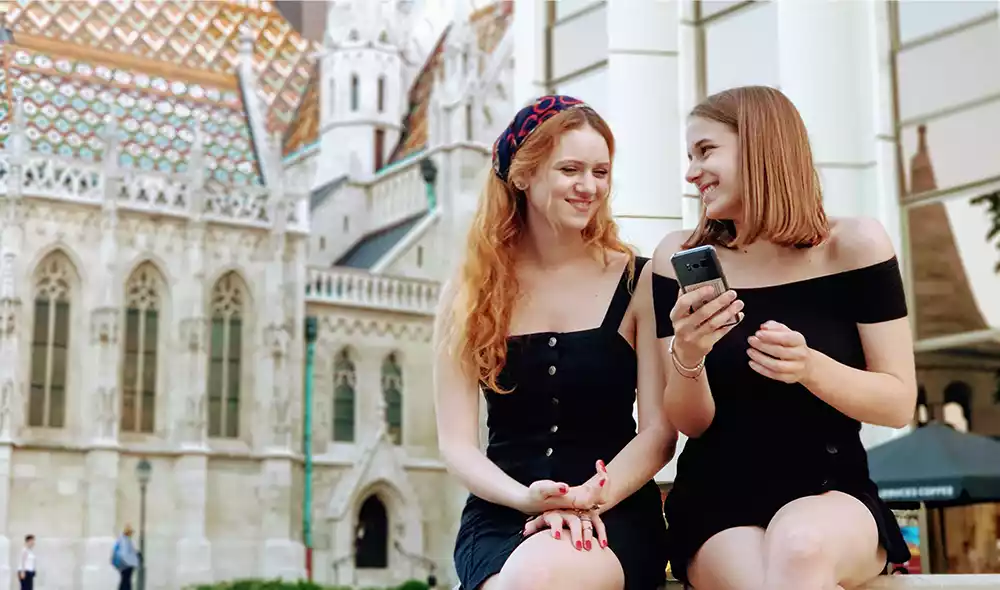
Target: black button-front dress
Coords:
[(572, 405), (772, 442)]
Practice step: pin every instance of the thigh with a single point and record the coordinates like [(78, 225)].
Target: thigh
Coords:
[(544, 563), (834, 529), (729, 560)]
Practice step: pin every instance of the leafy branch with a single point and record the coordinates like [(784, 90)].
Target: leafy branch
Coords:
[(992, 201)]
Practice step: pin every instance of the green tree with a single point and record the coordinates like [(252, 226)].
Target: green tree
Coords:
[(992, 203)]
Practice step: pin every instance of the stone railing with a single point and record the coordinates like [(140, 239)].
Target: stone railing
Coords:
[(28, 174), (360, 289), (397, 193)]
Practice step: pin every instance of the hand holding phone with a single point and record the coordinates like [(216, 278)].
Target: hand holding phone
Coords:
[(708, 309)]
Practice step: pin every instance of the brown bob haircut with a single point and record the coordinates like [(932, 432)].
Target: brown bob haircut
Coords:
[(782, 198)]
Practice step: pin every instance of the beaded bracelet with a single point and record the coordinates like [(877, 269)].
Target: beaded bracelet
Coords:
[(688, 372)]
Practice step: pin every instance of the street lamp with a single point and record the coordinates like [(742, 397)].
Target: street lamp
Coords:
[(143, 472)]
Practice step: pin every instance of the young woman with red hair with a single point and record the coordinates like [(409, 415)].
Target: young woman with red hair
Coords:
[(551, 317)]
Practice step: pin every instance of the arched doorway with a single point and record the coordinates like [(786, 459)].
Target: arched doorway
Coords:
[(371, 539)]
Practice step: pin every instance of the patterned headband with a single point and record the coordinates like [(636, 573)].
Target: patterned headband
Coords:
[(527, 120)]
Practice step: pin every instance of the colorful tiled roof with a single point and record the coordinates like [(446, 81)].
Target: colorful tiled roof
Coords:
[(490, 23), (304, 130), (68, 100), (171, 38)]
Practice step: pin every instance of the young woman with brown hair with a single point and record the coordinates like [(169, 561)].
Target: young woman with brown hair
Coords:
[(551, 317), (772, 489)]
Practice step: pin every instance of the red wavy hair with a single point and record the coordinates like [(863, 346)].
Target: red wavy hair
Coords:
[(487, 287)]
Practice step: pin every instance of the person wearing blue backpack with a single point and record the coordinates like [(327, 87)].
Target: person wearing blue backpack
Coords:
[(125, 558)]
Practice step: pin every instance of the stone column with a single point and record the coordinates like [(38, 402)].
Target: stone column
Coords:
[(193, 552), (101, 413), (529, 51), (643, 61), (832, 84), (12, 402), (690, 84)]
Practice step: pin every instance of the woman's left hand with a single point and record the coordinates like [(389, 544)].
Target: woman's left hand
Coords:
[(583, 526), (779, 353)]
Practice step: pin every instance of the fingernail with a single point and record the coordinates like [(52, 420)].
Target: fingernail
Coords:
[(557, 535), (563, 489), (588, 545), (602, 482), (601, 463), (604, 543), (579, 545)]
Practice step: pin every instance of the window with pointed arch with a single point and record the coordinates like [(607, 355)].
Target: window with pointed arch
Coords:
[(143, 291), (55, 279), (392, 391), (225, 356), (344, 380)]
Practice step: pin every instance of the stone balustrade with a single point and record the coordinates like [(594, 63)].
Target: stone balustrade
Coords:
[(397, 193), (359, 289)]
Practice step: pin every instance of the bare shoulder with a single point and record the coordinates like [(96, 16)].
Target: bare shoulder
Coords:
[(857, 242), (668, 246)]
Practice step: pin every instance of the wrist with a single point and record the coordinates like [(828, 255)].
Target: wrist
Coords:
[(813, 358), (687, 357)]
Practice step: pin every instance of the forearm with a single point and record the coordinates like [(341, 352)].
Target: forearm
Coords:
[(688, 402), (638, 463), (873, 398), (482, 477)]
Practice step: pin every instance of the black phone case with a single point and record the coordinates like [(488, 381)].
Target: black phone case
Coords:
[(697, 267)]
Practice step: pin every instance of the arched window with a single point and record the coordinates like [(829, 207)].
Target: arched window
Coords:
[(392, 390), (958, 405), (54, 281), (354, 92), (371, 539), (142, 304), (344, 380), (224, 370)]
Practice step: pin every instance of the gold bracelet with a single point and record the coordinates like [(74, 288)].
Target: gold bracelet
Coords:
[(689, 372)]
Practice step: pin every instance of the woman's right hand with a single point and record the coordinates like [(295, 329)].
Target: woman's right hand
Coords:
[(544, 495), (695, 333)]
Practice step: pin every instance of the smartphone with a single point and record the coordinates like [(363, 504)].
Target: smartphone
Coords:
[(698, 267)]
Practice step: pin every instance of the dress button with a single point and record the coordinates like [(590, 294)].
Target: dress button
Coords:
[(832, 449), (552, 370), (555, 401), (548, 452), (552, 341), (554, 429)]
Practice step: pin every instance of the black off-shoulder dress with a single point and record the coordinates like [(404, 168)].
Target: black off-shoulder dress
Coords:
[(572, 406), (772, 442)]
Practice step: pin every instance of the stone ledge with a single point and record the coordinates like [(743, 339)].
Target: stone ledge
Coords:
[(938, 582), (942, 582)]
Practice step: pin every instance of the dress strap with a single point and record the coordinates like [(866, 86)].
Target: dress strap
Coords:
[(623, 296)]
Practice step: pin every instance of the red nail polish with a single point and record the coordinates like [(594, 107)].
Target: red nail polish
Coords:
[(603, 481), (579, 545), (604, 543), (601, 463), (557, 534), (588, 545), (562, 489)]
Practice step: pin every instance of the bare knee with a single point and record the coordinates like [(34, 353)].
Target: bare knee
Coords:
[(794, 545), (543, 563)]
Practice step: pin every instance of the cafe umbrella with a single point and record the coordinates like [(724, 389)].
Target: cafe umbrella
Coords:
[(934, 467), (937, 465)]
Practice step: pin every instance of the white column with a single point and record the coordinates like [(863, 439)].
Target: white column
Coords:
[(529, 50), (644, 114), (830, 80), (102, 465), (885, 207), (690, 95)]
